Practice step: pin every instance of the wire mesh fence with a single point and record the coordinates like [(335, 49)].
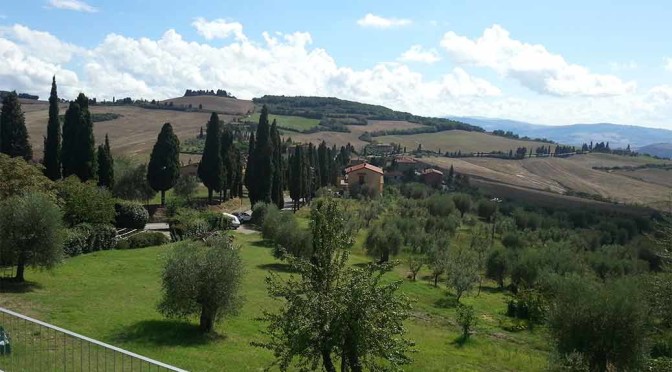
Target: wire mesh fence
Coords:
[(28, 344)]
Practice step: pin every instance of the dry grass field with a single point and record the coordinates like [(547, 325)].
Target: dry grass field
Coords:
[(221, 105), (558, 175), (661, 177), (458, 140), (133, 134)]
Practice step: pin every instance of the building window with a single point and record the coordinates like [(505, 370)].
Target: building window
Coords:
[(361, 179)]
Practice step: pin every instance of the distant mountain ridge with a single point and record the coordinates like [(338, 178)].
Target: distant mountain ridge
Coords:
[(618, 136), (663, 150)]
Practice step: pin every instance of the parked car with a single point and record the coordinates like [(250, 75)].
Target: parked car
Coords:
[(243, 217), (235, 222)]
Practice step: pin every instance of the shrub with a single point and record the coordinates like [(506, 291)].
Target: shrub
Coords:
[(528, 305), (86, 238), (466, 319), (259, 213), (74, 243), (130, 215), (145, 239), (85, 202), (103, 238)]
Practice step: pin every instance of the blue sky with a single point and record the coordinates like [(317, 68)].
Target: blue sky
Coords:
[(575, 61)]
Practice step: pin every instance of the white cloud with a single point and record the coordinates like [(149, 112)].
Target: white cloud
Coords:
[(372, 20), (668, 64), (531, 65), (26, 73), (417, 54), (288, 64), (218, 29), (76, 5), (40, 44)]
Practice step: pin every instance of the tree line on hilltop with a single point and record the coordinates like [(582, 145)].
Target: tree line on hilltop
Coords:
[(205, 92)]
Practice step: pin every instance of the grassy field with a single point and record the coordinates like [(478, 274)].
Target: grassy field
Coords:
[(292, 122), (78, 296)]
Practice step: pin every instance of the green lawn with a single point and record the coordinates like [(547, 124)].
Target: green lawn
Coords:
[(112, 296), (291, 122)]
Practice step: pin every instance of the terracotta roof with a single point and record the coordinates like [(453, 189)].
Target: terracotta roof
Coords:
[(431, 170), (364, 166)]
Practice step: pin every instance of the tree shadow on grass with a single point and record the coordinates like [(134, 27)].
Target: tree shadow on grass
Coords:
[(488, 289), (448, 302), (277, 267), (9, 285), (164, 333), (262, 243), (460, 341)]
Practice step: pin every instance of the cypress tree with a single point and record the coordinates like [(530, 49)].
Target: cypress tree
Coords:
[(105, 165), (68, 148), (163, 169), (86, 149), (249, 172), (78, 155), (227, 149), (278, 185), (298, 176), (52, 143), (13, 133), (263, 162), (239, 174), (210, 169), (313, 171), (323, 163)]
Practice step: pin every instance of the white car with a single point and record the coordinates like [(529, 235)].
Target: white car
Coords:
[(235, 222), (243, 217)]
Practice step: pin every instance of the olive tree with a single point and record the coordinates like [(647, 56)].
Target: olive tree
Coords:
[(186, 186), (605, 324), (462, 270), (31, 232), (466, 319), (462, 203), (333, 310), (202, 279)]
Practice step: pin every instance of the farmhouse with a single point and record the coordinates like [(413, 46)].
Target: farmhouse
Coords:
[(365, 175), (432, 177), (404, 164)]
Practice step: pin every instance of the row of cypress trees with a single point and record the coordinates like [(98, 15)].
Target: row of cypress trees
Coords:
[(67, 152), (311, 168), (265, 171), (221, 168)]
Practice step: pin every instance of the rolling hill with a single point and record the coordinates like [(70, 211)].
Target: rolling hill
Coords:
[(577, 134), (133, 130), (663, 150)]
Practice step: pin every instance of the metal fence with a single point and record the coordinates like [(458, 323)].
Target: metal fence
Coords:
[(28, 344)]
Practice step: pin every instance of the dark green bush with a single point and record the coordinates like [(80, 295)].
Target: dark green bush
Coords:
[(86, 238), (74, 243), (259, 213), (130, 215), (144, 239)]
